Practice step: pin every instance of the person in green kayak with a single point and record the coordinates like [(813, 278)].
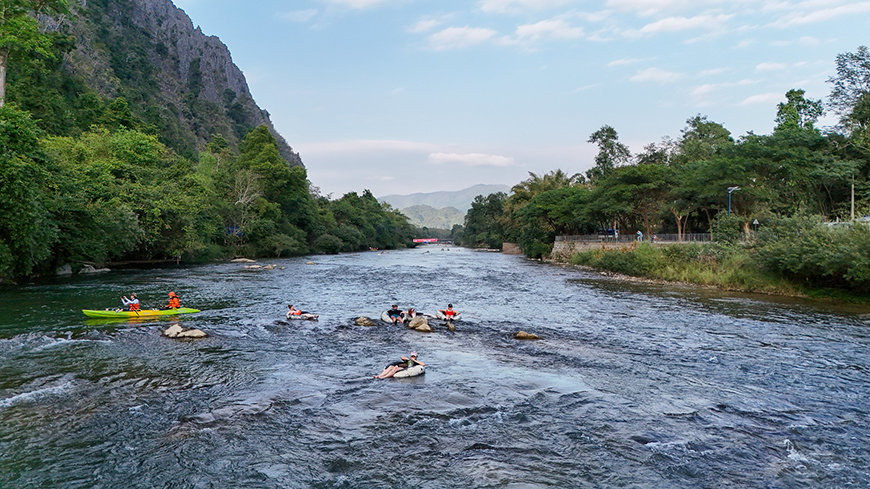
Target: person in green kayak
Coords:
[(132, 302), (392, 368), (174, 301)]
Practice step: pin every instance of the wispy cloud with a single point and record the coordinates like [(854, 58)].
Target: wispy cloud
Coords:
[(714, 72), (424, 25), (359, 4), (624, 61), (364, 145), (555, 29), (763, 98), (656, 75), (515, 6), (805, 13), (298, 15), (711, 23), (471, 159), (460, 37), (770, 66)]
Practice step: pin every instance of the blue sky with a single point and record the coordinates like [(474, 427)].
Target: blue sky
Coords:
[(405, 96)]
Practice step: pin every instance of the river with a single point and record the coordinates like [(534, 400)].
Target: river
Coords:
[(632, 385)]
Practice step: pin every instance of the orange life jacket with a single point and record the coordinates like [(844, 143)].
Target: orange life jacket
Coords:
[(174, 303), (134, 306)]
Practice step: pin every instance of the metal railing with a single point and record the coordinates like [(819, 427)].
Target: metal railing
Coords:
[(655, 238)]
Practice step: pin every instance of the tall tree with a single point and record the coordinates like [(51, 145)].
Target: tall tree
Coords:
[(798, 112), (19, 31), (611, 153), (850, 96)]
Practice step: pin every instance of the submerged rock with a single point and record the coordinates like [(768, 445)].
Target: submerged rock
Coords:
[(522, 335), (363, 321)]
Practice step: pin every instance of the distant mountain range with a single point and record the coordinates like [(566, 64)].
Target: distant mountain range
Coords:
[(432, 218), (460, 199)]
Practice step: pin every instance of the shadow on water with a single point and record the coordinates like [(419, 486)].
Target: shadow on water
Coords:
[(631, 385)]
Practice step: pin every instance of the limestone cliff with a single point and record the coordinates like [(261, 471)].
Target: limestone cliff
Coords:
[(175, 78)]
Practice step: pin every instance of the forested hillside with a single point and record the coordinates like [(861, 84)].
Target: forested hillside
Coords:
[(118, 141), (142, 64), (764, 197)]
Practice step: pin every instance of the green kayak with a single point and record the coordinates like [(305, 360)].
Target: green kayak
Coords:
[(137, 314)]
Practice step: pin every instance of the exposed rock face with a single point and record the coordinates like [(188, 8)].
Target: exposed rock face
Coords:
[(522, 335), (364, 321), (421, 324), (176, 331), (197, 79)]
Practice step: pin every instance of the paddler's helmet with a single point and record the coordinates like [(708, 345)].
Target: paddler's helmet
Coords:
[(172, 294)]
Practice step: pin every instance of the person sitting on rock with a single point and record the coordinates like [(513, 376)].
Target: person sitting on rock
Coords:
[(174, 301), (293, 312), (410, 314), (392, 368)]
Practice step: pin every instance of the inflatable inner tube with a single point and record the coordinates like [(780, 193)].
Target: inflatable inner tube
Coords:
[(440, 315), (410, 372)]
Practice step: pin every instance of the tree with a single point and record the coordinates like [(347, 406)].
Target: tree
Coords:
[(611, 153), (701, 140), (850, 96), (798, 112), (852, 81), (19, 31)]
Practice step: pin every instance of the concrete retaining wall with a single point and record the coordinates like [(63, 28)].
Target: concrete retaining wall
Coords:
[(562, 250), (511, 249)]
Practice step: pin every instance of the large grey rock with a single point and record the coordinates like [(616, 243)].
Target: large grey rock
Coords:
[(364, 321), (65, 270), (176, 331), (90, 269), (421, 324)]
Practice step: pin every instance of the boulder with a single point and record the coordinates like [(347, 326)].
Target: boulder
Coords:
[(173, 331), (192, 333), (522, 335), (243, 260), (421, 324), (176, 331), (252, 267), (363, 321), (65, 270), (270, 267), (90, 269)]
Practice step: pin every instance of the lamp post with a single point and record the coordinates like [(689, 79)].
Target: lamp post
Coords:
[(731, 189)]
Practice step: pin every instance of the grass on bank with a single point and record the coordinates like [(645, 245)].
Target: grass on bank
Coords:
[(710, 264)]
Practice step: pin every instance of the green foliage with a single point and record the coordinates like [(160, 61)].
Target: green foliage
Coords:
[(328, 243), (27, 230), (727, 228), (611, 153), (807, 251), (484, 225)]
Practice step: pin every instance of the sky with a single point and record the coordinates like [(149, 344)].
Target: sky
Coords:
[(407, 96)]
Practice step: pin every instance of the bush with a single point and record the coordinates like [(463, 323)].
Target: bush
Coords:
[(328, 243)]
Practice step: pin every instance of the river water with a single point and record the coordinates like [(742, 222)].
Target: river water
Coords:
[(632, 385)]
